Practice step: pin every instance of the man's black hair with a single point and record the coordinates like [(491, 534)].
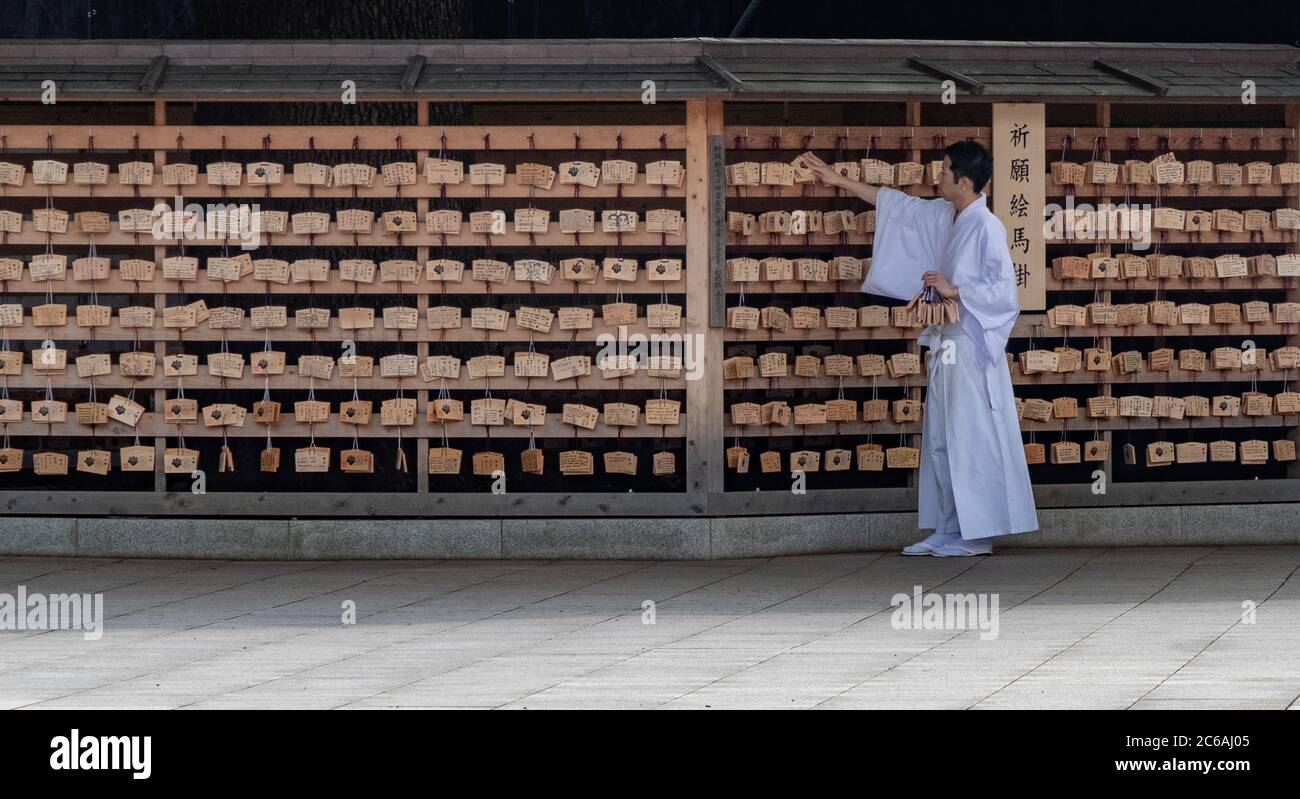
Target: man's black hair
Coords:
[(970, 160)]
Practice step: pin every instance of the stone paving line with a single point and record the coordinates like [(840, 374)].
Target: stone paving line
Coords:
[(1166, 627)]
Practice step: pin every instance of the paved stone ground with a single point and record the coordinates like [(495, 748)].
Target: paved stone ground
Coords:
[(1078, 628)]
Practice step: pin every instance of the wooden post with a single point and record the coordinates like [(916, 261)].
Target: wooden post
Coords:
[(704, 398), (915, 392), (1108, 466), (422, 305), (1292, 293), (159, 303)]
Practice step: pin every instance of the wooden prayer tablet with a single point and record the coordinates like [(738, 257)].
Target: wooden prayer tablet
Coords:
[(774, 318), (527, 414), (11, 363), (1286, 403), (444, 460), (902, 457), (356, 461), (1254, 452), (48, 172), (1199, 172), (446, 410), (11, 222), (618, 313), (180, 410), (577, 220), (870, 457), (311, 459), (398, 365), (532, 220), (353, 174), (578, 173), (11, 174), (576, 462), (539, 176), (310, 223), (485, 366), (398, 173), (663, 464), (311, 411), (49, 411), (742, 224), (49, 360), (810, 413), (445, 270), (91, 413), (224, 173), (738, 459), (1284, 449), (487, 174), (1064, 452), (776, 269), (738, 368), (531, 461), (268, 412), (489, 319), (487, 411), (807, 366), (618, 221), (179, 460), (136, 458), (399, 221), (444, 221), (264, 173), (583, 416), (354, 220), (769, 461), (266, 363), (94, 461), (50, 463), (744, 173), (442, 170), (668, 173), (773, 364), (665, 220), (614, 171), (620, 463), (907, 410), (224, 415), (1190, 452)]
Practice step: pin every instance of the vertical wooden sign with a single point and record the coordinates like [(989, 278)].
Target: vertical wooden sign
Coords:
[(717, 231), (1019, 166)]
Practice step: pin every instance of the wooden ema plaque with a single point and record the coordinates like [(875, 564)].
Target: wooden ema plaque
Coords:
[(738, 459), (94, 461), (444, 460), (357, 461), (531, 461), (179, 460), (664, 463), (486, 464), (136, 458), (50, 463), (311, 459), (269, 460), (620, 463), (576, 462)]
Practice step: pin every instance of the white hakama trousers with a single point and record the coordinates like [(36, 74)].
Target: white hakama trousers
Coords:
[(973, 476)]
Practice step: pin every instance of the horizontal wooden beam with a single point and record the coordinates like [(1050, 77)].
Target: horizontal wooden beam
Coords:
[(340, 137)]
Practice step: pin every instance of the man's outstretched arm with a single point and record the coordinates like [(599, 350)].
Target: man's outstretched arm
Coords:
[(830, 177)]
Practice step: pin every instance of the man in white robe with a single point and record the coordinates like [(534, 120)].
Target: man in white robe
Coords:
[(973, 481)]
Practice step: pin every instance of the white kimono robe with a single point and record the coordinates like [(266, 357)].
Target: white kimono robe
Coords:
[(973, 477)]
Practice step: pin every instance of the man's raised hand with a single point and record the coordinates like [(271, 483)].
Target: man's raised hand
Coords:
[(821, 171)]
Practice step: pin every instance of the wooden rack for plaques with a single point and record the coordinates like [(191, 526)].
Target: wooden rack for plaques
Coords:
[(698, 482), (916, 142)]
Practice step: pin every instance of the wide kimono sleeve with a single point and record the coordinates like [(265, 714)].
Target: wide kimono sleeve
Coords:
[(910, 237), (992, 300)]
